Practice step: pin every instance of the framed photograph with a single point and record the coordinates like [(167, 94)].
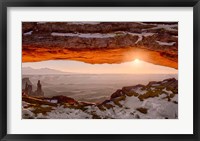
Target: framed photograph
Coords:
[(99, 70)]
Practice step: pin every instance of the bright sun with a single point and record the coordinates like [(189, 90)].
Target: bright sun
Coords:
[(136, 61)]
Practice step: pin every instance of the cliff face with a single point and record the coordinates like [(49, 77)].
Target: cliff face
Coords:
[(97, 43)]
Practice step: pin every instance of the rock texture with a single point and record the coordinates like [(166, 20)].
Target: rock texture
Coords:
[(105, 42), (168, 87)]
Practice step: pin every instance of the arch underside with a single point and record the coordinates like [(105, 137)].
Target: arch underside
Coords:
[(106, 43)]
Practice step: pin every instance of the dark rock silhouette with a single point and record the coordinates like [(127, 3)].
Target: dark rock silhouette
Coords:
[(39, 91), (24, 81), (27, 88)]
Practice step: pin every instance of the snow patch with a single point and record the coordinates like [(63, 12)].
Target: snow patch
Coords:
[(159, 108), (82, 23), (154, 85), (44, 106), (164, 26), (132, 102), (100, 35), (84, 35), (139, 90), (41, 22), (175, 98), (66, 113), (165, 43), (165, 90), (28, 33), (140, 35), (54, 101), (24, 104), (26, 113)]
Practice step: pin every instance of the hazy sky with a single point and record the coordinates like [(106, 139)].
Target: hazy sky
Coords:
[(134, 67)]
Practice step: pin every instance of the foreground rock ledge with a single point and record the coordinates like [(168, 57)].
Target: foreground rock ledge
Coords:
[(156, 100), (99, 43)]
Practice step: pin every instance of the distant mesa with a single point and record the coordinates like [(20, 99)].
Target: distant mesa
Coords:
[(29, 70)]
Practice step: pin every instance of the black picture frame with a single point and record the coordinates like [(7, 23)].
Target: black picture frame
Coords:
[(98, 3)]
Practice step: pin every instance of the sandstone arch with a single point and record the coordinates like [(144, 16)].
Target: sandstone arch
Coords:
[(99, 43)]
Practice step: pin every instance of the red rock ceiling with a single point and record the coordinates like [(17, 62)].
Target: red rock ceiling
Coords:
[(148, 42)]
